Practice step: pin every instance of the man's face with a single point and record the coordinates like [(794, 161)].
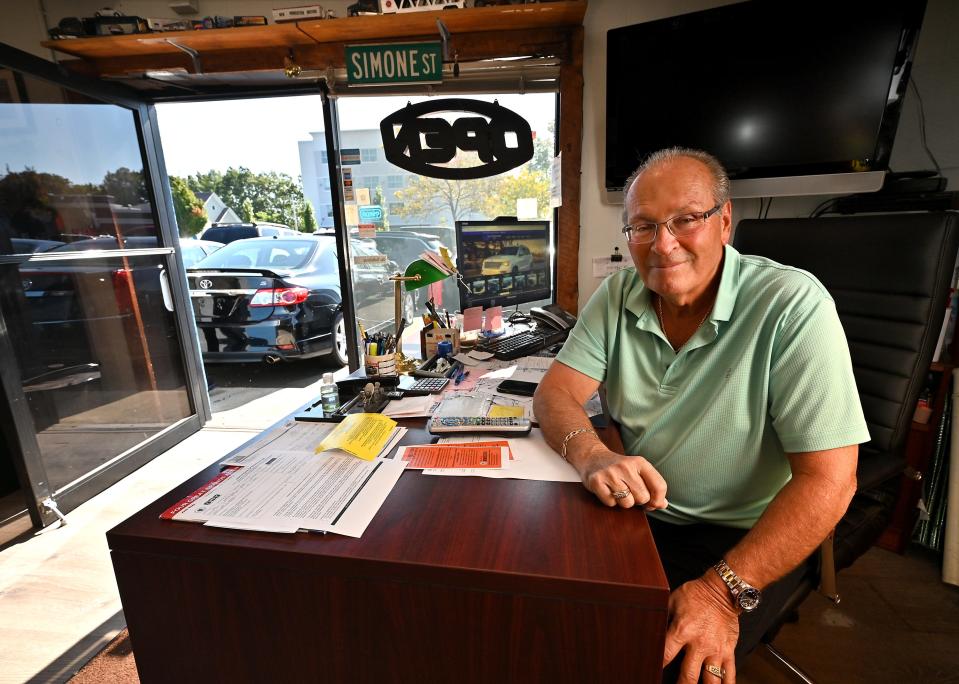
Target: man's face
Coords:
[(678, 269)]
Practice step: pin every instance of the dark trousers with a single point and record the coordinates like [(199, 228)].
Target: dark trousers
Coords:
[(688, 551)]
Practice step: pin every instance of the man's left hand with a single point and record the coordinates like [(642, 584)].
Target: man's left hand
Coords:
[(704, 623)]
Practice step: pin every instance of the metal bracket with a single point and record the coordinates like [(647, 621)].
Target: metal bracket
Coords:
[(444, 38), (51, 506), (194, 55)]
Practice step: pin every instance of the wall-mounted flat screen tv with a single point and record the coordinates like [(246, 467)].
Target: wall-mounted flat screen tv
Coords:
[(776, 89)]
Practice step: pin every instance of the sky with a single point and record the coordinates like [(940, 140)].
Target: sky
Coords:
[(262, 134)]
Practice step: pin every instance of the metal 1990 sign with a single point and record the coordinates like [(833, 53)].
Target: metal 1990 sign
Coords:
[(501, 138)]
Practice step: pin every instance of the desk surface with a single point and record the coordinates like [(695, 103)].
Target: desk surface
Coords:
[(549, 541)]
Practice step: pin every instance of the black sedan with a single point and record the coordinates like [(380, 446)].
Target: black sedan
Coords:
[(277, 299)]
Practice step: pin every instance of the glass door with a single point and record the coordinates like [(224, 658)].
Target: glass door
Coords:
[(98, 363)]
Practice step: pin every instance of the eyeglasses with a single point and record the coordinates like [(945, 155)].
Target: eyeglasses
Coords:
[(678, 226)]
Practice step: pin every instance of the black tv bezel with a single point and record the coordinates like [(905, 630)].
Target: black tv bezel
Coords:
[(468, 300), (914, 11)]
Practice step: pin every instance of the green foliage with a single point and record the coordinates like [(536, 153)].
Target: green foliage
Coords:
[(190, 214), (308, 218), (543, 150), (126, 186), (509, 188), (272, 196), (427, 195), (246, 210)]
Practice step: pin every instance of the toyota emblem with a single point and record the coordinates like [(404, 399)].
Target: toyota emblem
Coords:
[(206, 283)]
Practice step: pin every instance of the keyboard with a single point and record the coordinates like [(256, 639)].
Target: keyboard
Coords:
[(523, 343)]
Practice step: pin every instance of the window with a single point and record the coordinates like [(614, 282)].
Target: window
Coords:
[(369, 154), (324, 157), (394, 181), (371, 182), (395, 207)]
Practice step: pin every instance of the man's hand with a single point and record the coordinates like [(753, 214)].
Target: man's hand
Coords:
[(703, 621), (604, 472)]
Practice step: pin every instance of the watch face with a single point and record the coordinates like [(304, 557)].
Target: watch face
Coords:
[(749, 599)]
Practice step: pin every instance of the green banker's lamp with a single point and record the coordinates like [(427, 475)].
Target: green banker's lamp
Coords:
[(419, 273)]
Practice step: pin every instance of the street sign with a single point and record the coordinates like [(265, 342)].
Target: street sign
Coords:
[(396, 63)]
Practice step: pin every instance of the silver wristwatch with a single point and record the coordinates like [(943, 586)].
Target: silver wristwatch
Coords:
[(745, 596)]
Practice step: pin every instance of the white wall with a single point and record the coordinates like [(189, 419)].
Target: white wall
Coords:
[(936, 71)]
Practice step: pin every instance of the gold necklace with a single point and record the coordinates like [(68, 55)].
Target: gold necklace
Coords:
[(662, 322)]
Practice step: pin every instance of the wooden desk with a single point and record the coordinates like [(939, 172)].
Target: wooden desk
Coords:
[(455, 580)]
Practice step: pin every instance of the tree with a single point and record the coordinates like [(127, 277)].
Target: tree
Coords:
[(246, 210), (425, 196), (273, 195), (509, 188), (543, 150), (190, 214), (126, 186), (309, 218)]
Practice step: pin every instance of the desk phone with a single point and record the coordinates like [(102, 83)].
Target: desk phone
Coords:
[(450, 424)]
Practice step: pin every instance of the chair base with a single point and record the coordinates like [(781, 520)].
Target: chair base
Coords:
[(793, 669)]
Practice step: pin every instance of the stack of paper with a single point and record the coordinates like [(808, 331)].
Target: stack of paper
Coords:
[(410, 407), (532, 459)]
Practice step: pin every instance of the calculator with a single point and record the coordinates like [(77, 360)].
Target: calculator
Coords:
[(447, 424), (427, 385)]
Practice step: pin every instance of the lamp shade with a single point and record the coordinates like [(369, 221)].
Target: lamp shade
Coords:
[(427, 272)]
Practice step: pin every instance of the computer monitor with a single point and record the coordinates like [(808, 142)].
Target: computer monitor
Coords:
[(503, 261)]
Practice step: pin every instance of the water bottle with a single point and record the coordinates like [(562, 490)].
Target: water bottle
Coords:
[(329, 395)]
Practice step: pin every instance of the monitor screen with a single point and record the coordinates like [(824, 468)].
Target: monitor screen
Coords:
[(772, 88), (504, 262)]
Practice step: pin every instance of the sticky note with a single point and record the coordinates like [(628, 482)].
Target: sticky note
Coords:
[(496, 411), (494, 318), (472, 318)]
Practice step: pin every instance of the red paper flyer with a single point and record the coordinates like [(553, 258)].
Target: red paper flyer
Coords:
[(455, 456)]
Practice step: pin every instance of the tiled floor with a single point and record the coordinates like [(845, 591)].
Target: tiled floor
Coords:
[(896, 622), (58, 598)]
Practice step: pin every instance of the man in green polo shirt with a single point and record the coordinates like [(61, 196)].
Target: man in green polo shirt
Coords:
[(731, 380)]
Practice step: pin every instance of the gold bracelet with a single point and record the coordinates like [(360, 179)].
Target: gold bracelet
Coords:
[(573, 434)]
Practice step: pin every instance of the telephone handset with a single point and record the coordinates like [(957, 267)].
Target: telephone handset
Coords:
[(553, 316)]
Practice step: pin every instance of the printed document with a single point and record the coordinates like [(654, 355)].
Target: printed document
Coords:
[(288, 491), (533, 459), (360, 434)]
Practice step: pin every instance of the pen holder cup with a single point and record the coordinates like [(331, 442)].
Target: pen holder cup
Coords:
[(429, 339), (380, 365)]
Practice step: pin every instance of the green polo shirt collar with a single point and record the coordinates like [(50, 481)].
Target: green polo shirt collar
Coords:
[(639, 302)]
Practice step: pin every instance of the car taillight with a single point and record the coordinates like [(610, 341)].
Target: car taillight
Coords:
[(285, 296)]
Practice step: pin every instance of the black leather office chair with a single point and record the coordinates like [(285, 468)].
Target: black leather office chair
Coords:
[(890, 276)]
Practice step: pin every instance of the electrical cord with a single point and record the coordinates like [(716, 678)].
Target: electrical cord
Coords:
[(922, 124)]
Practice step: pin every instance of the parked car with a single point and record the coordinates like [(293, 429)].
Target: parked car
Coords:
[(276, 299), (226, 233), (404, 247), (192, 250), (94, 306), (31, 246), (511, 259)]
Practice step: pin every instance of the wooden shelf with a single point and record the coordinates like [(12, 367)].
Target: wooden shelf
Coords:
[(243, 48)]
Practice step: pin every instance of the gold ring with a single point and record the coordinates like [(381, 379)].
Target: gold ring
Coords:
[(622, 494), (715, 670)]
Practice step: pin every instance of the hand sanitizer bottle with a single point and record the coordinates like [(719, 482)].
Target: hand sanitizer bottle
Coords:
[(329, 395)]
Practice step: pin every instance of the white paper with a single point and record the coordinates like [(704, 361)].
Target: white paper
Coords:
[(311, 491), (533, 459), (294, 435), (556, 181), (409, 407), (531, 369), (395, 437), (605, 266), (461, 404)]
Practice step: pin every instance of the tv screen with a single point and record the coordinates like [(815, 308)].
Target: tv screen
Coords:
[(772, 88), (503, 261)]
